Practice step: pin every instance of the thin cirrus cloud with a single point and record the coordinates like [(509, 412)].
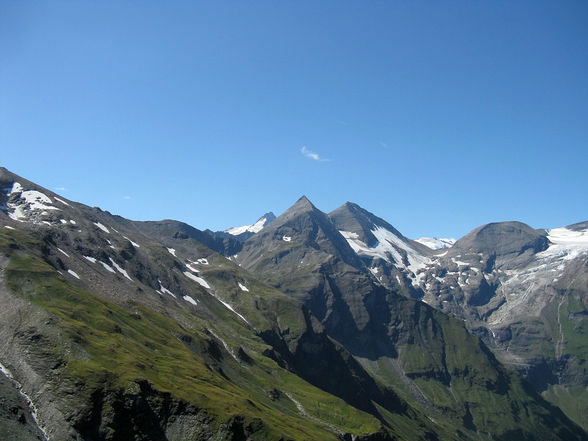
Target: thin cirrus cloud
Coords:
[(312, 155)]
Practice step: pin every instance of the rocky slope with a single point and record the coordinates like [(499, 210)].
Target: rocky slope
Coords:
[(523, 291), (329, 263)]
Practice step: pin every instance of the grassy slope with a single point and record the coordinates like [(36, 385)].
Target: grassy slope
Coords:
[(132, 343)]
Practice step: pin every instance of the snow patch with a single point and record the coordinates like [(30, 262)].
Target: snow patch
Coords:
[(61, 200), (71, 221), (388, 246), (16, 188), (255, 228), (120, 270), (566, 244), (349, 234), (435, 243), (29, 200), (9, 227), (63, 221), (136, 245), (230, 308), (102, 227), (190, 300), (202, 261), (73, 273), (163, 290), (286, 238), (197, 279), (191, 268), (243, 287), (108, 267), (91, 259), (172, 251), (62, 252)]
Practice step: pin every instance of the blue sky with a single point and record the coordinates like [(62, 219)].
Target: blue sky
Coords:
[(436, 116)]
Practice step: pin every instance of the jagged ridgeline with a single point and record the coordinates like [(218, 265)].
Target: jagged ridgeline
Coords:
[(112, 329)]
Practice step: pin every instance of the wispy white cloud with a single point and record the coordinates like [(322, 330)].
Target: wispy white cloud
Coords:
[(383, 144), (126, 198), (312, 155), (60, 188)]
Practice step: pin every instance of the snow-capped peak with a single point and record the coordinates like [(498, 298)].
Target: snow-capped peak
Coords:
[(435, 243), (255, 228)]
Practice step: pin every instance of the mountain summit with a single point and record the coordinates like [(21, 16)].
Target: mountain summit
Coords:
[(255, 228)]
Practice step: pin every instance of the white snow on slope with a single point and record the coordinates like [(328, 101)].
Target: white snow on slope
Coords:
[(108, 267), (243, 287), (61, 200), (165, 290), (286, 238), (33, 201), (73, 273), (120, 270), (566, 244), (205, 284), (136, 245), (255, 228), (435, 243), (197, 279), (102, 227), (191, 268), (63, 252), (172, 251), (230, 308), (9, 227), (190, 300), (91, 259), (388, 245)]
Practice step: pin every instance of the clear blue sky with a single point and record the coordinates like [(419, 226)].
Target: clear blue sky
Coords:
[(437, 116)]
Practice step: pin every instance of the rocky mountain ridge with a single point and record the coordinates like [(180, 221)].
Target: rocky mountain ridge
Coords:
[(509, 282), (301, 341)]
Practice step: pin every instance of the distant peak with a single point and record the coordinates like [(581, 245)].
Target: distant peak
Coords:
[(349, 204), (269, 216), (255, 228)]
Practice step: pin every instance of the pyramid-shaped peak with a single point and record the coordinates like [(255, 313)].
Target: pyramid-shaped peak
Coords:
[(302, 204)]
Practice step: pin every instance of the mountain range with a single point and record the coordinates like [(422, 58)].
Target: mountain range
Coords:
[(308, 326)]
